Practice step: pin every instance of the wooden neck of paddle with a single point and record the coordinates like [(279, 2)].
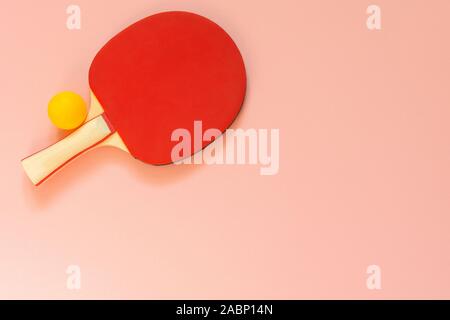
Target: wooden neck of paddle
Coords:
[(44, 163)]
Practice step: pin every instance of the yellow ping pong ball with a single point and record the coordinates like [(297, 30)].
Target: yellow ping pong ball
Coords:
[(67, 110)]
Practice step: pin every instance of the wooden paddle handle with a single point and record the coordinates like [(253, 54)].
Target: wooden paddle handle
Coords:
[(44, 163)]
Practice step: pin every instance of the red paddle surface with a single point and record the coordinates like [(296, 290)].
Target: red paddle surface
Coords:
[(163, 73)]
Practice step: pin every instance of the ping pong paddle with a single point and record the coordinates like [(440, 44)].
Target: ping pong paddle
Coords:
[(161, 73)]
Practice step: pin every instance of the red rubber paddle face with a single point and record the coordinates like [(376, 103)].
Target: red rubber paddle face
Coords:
[(163, 73)]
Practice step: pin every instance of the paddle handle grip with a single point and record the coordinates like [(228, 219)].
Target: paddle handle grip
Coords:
[(43, 164)]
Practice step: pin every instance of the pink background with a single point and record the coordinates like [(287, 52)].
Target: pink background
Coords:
[(364, 170)]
